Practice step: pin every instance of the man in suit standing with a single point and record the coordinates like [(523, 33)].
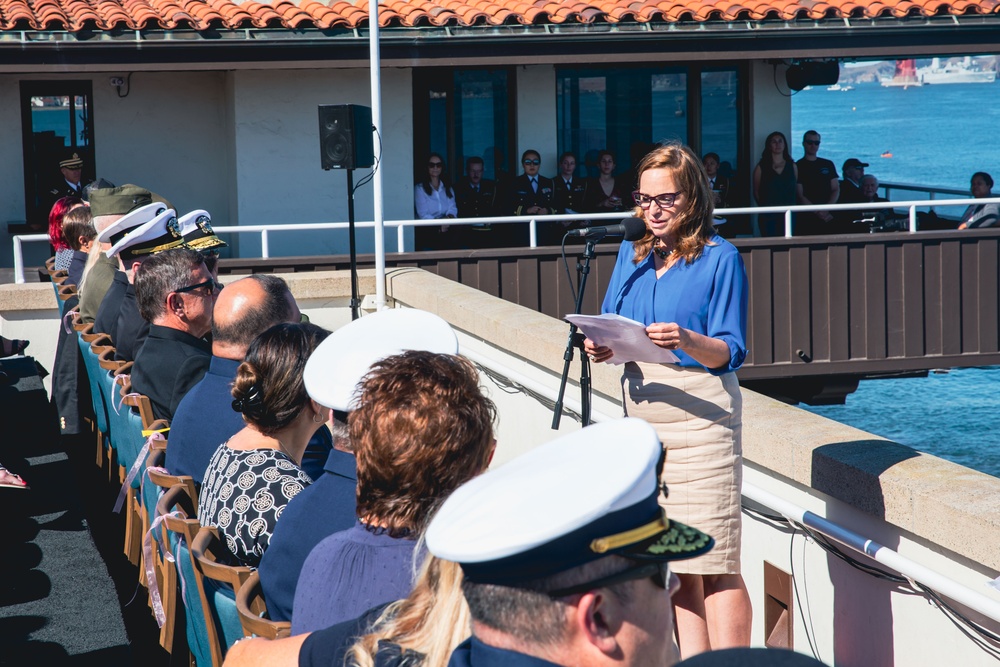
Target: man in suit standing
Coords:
[(531, 194)]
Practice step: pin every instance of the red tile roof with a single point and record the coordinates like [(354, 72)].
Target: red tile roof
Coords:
[(75, 15)]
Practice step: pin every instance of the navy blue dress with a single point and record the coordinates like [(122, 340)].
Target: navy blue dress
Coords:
[(350, 572)]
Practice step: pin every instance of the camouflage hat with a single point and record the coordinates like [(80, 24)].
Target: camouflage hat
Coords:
[(122, 200)]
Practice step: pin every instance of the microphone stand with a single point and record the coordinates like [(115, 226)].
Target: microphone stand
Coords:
[(576, 340), (352, 237)]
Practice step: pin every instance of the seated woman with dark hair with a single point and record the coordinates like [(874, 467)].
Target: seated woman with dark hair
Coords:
[(420, 428), (981, 215), (251, 478)]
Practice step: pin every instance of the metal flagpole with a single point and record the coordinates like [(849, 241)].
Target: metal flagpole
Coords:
[(376, 81)]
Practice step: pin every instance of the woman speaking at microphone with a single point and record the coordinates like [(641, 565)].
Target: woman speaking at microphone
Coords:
[(688, 286)]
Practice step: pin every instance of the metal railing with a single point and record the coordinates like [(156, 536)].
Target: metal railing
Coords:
[(930, 190), (264, 231)]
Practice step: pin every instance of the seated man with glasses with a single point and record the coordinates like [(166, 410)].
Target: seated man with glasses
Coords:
[(565, 553), (530, 194), (176, 292)]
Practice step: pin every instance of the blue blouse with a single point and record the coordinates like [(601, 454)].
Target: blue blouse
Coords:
[(708, 296)]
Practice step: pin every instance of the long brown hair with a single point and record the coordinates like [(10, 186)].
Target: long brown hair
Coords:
[(694, 221)]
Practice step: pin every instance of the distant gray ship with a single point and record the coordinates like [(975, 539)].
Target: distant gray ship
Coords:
[(954, 73)]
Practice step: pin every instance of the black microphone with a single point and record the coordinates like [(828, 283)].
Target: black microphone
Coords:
[(632, 229)]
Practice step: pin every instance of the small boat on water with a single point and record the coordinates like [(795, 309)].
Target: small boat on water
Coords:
[(886, 154)]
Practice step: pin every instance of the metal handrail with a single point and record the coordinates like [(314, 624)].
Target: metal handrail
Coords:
[(931, 190), (401, 225)]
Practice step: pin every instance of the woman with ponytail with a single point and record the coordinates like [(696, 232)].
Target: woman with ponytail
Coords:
[(251, 478)]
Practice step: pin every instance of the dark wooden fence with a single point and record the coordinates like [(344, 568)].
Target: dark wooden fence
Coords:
[(824, 311)]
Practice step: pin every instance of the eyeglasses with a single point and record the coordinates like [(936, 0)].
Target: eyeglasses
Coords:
[(211, 284), (665, 200), (531, 161), (811, 142), (435, 165), (659, 571)]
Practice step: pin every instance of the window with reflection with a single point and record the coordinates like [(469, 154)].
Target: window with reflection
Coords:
[(624, 110), (461, 113)]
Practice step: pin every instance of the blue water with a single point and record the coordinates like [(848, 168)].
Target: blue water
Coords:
[(938, 135)]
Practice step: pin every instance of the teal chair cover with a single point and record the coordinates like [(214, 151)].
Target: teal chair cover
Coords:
[(194, 616), (94, 373), (222, 599)]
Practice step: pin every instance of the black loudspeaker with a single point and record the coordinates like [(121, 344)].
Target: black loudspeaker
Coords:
[(345, 136), (812, 73)]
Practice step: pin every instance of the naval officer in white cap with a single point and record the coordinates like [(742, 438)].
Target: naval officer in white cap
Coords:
[(566, 551)]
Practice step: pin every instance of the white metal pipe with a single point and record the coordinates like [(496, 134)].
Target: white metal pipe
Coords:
[(878, 552), (18, 261), (265, 247), (400, 239), (533, 233), (375, 64), (786, 211)]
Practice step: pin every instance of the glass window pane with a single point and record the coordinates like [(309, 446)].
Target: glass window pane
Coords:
[(50, 121), (438, 106), (720, 116), (481, 119), (624, 110), (669, 93)]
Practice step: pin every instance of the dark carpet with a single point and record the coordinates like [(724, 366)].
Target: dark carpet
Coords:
[(68, 596)]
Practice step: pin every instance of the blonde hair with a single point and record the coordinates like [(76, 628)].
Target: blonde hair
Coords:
[(432, 620), (694, 222)]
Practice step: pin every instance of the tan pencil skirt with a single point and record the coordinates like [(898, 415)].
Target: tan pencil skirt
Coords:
[(698, 417)]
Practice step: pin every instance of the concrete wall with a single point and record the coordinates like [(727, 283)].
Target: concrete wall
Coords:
[(770, 106), (167, 134), (243, 145), (279, 178)]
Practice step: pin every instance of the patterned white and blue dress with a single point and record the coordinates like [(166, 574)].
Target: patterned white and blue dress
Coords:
[(244, 494)]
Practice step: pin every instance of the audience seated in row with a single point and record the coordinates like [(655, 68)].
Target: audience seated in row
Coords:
[(204, 418), (252, 477)]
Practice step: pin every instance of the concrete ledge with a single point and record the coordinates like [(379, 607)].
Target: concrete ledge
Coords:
[(939, 501), (27, 296)]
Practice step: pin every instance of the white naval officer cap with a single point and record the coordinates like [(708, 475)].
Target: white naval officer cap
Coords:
[(156, 235), (196, 228), (581, 497), (338, 365), (117, 230)]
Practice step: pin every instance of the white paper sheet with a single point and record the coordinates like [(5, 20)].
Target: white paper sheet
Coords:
[(626, 338)]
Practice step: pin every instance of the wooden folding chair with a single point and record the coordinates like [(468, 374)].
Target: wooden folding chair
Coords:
[(221, 584), (252, 609), (179, 527)]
